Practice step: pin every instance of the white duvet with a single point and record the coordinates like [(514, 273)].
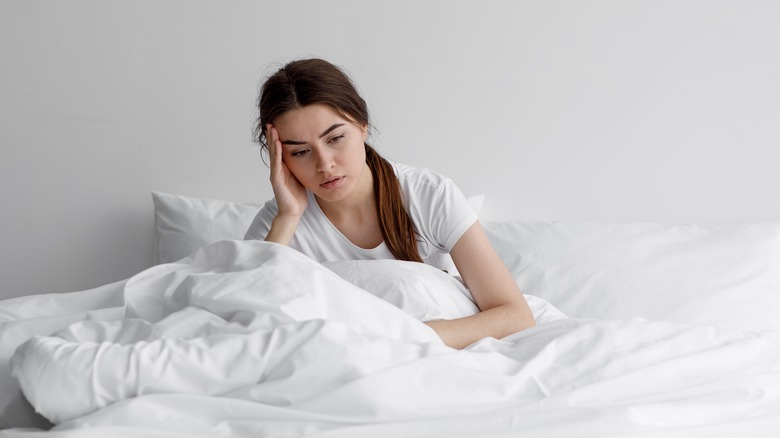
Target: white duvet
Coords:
[(254, 339)]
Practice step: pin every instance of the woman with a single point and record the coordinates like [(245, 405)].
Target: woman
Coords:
[(335, 198)]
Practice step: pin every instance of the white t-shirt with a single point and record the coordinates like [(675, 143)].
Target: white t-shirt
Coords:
[(439, 210)]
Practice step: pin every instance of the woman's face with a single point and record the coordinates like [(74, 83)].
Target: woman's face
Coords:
[(324, 150)]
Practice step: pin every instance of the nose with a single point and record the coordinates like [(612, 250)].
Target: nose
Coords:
[(324, 159)]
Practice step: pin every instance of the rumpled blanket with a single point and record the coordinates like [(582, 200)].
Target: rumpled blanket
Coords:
[(255, 339)]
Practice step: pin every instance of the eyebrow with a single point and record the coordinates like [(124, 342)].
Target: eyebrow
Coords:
[(324, 133)]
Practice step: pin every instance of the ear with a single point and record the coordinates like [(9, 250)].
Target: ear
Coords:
[(365, 133)]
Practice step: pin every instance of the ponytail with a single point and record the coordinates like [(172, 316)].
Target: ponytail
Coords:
[(394, 221)]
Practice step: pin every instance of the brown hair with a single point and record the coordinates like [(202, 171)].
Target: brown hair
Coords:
[(309, 81)]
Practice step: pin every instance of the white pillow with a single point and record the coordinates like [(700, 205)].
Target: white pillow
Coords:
[(184, 224), (724, 275), (423, 291)]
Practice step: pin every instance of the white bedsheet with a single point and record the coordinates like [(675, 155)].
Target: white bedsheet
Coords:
[(254, 339)]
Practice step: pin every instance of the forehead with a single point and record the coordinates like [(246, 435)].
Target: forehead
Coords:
[(308, 120)]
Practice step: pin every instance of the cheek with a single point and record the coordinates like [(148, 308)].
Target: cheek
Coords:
[(297, 168), (362, 155), (358, 153)]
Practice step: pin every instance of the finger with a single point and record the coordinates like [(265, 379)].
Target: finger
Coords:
[(275, 148), (277, 145), (269, 139)]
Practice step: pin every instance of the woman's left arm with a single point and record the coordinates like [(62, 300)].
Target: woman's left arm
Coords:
[(503, 310)]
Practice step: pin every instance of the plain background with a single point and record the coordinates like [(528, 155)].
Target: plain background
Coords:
[(606, 110)]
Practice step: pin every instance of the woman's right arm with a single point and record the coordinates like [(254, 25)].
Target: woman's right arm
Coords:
[(289, 193)]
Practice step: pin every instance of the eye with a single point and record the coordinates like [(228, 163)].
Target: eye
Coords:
[(300, 153), (336, 139)]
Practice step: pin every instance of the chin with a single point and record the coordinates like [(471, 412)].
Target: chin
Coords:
[(336, 195), (328, 195)]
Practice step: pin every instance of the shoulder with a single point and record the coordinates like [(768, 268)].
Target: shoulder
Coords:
[(269, 209), (261, 224), (416, 179), (427, 190)]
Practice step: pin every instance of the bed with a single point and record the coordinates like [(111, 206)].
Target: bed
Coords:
[(643, 330)]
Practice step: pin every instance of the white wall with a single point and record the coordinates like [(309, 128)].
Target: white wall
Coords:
[(656, 110)]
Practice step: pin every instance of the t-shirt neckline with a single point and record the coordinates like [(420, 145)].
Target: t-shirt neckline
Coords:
[(324, 218)]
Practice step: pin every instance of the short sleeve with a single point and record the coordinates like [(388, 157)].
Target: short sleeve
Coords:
[(440, 211), (261, 224), (450, 216)]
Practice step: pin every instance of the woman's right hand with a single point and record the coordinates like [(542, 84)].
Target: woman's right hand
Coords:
[(290, 194)]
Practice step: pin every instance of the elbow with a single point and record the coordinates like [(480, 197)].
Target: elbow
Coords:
[(524, 319), (518, 317), (529, 323)]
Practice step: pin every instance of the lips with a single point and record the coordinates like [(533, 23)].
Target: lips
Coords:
[(332, 183)]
